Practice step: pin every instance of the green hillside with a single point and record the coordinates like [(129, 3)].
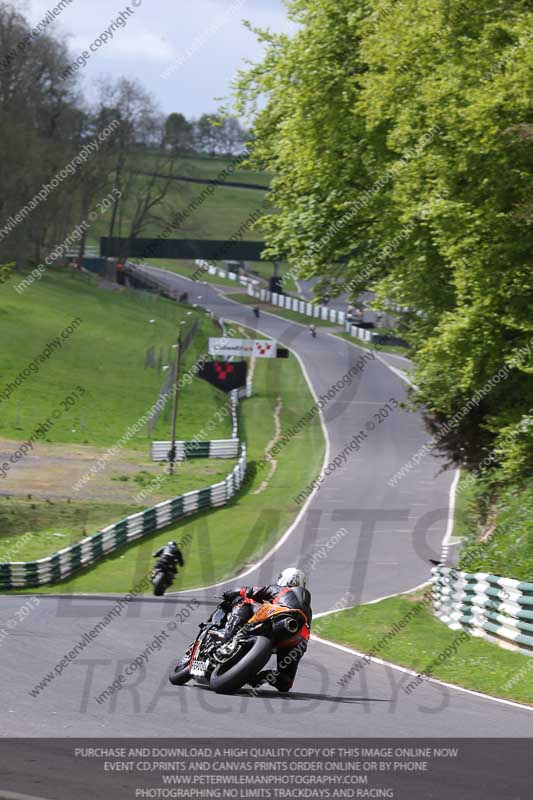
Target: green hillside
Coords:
[(222, 213), (113, 354)]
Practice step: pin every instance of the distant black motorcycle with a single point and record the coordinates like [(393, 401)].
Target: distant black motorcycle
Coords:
[(166, 567)]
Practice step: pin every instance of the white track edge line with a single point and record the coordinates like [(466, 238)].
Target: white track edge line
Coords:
[(482, 695), (408, 671), (371, 602), (451, 515)]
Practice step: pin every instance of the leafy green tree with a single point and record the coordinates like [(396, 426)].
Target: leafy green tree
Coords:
[(39, 113), (400, 135)]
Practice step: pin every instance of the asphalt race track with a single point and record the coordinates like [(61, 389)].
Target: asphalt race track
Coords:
[(391, 533)]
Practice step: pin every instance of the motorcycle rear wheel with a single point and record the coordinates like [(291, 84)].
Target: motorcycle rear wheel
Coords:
[(160, 584), (239, 668)]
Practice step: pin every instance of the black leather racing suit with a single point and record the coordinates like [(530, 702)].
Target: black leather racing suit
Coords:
[(169, 556)]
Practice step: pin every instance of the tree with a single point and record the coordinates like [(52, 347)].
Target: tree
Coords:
[(206, 134), (140, 203), (219, 134), (400, 139), (139, 127), (145, 204), (46, 124), (233, 136), (37, 137), (178, 134), (96, 173)]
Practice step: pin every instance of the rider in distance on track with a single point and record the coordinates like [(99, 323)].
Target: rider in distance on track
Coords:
[(290, 591), (169, 556)]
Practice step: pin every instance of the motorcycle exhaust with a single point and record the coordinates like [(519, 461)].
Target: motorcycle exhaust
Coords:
[(292, 625)]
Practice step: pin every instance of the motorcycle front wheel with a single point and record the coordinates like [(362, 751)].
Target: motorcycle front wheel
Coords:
[(253, 654), (180, 674)]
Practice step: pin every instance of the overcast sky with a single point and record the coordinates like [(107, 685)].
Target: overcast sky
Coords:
[(185, 52)]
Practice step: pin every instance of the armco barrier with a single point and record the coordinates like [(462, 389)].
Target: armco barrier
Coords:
[(485, 605)]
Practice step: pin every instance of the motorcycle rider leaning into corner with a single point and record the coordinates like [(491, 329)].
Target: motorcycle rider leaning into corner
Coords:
[(168, 556), (290, 591)]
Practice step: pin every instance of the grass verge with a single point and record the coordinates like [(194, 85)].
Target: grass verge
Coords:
[(470, 507), (218, 214), (189, 269), (503, 515), (41, 526), (421, 644)]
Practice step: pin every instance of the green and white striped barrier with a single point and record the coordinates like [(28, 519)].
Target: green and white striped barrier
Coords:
[(363, 334), (296, 304), (26, 575), (332, 315), (214, 448), (211, 269), (485, 605)]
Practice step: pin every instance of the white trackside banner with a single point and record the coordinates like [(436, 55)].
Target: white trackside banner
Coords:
[(243, 348)]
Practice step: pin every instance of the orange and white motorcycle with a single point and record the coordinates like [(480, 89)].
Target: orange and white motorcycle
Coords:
[(226, 666)]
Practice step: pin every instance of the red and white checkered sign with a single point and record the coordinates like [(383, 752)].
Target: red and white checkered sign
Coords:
[(242, 348), (264, 349)]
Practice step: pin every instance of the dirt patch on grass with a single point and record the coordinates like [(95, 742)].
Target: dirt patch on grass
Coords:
[(52, 470)]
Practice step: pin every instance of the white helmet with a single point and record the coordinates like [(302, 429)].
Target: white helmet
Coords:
[(292, 577)]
